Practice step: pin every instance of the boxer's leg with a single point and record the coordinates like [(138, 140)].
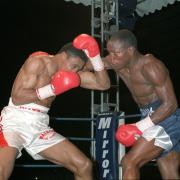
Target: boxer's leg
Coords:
[(68, 155), (169, 165), (142, 152), (7, 159)]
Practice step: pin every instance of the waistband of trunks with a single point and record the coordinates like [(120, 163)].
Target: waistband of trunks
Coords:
[(30, 107), (148, 109)]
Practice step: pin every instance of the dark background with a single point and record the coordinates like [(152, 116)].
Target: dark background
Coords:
[(28, 26)]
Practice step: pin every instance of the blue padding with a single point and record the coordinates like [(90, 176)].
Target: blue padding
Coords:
[(106, 146)]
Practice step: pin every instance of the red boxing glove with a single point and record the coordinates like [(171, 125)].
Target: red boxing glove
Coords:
[(89, 45), (62, 81), (127, 134)]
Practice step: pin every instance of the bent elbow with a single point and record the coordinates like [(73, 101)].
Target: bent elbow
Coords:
[(174, 106), (171, 107), (105, 87)]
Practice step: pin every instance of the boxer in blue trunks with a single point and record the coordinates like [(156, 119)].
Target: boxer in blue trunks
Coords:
[(151, 87), (157, 134), (166, 133)]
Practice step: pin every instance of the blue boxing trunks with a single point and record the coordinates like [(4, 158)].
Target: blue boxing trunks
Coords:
[(166, 133)]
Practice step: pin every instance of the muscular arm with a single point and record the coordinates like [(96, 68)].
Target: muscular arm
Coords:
[(24, 88), (98, 80), (157, 74)]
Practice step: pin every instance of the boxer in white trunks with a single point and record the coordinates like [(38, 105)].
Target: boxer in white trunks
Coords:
[(24, 122)]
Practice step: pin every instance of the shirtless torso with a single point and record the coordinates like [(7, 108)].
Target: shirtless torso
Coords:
[(148, 80), (27, 126), (146, 77)]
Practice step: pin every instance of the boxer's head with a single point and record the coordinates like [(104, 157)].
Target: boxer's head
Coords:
[(74, 59), (121, 47)]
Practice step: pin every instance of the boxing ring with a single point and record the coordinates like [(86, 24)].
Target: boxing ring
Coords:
[(102, 146), (101, 143)]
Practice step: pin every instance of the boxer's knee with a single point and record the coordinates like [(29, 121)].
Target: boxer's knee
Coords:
[(2, 173), (84, 166), (130, 162), (5, 169), (169, 166)]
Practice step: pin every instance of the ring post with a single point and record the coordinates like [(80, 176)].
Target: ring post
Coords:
[(106, 146)]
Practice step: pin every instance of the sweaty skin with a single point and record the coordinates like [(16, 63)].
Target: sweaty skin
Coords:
[(148, 80), (35, 73)]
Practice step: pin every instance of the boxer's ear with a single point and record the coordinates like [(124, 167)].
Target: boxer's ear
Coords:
[(131, 50), (64, 55)]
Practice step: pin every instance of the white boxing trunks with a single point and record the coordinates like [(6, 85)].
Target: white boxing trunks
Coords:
[(27, 126)]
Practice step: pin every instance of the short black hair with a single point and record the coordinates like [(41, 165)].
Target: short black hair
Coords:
[(71, 51), (126, 37)]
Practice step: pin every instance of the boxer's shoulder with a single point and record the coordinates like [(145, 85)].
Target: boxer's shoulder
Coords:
[(35, 64), (38, 53), (149, 58), (150, 61)]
